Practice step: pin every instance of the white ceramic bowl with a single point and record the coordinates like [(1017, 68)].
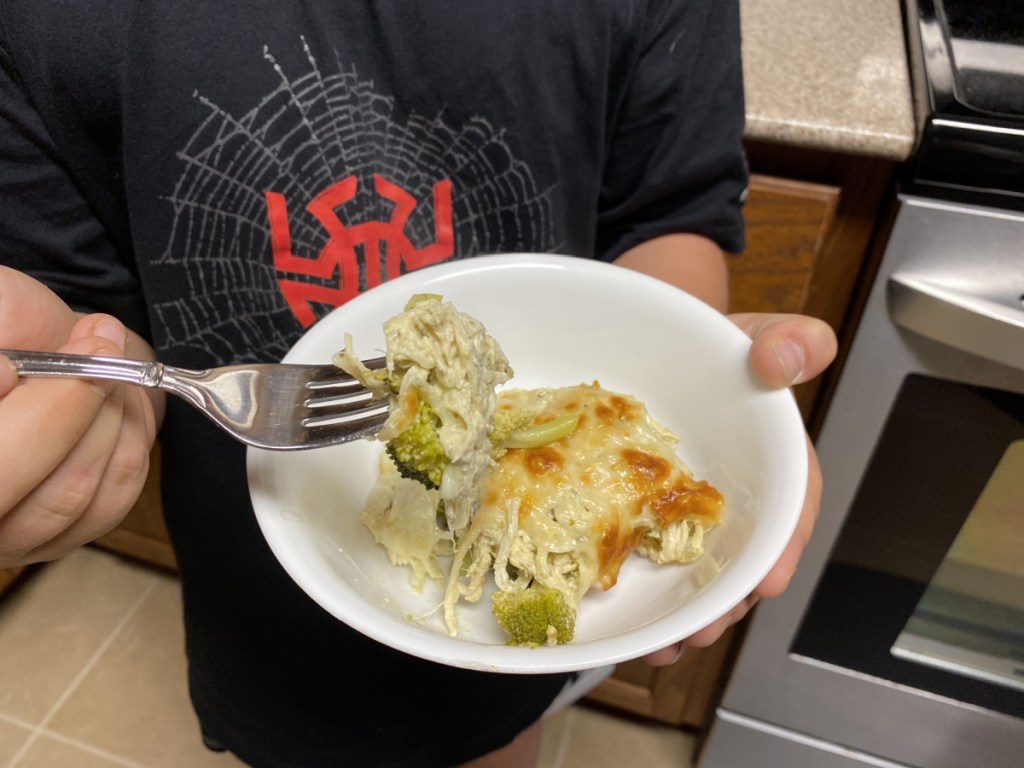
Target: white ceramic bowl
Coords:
[(561, 321)]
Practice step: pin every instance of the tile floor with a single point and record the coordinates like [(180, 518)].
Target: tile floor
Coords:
[(92, 675)]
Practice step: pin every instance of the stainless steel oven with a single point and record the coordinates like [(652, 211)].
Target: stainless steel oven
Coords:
[(900, 641)]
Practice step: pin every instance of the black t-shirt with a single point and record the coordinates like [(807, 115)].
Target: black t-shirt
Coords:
[(221, 175)]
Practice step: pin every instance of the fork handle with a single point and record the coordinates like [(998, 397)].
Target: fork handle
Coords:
[(142, 373)]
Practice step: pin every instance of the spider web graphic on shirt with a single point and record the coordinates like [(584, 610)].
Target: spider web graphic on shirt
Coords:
[(309, 132)]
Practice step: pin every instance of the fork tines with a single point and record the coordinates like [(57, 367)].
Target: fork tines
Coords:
[(337, 398)]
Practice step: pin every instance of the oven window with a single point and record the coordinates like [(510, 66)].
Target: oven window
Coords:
[(924, 586), (970, 619)]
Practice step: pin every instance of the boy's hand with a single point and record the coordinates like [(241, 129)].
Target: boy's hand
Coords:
[(75, 453), (787, 350)]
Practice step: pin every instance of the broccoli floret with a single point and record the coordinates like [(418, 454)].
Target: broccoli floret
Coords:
[(515, 429), (505, 421), (417, 451), (534, 616)]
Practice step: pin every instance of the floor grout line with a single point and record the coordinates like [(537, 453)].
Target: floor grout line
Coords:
[(86, 747), (25, 724), (40, 728)]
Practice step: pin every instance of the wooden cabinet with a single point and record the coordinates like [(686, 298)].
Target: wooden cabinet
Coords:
[(8, 576), (813, 219), (681, 694)]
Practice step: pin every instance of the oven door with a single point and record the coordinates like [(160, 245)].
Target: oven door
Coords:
[(901, 638)]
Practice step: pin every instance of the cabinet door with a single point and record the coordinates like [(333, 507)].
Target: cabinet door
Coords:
[(785, 267), (8, 576), (680, 694), (787, 222), (816, 224)]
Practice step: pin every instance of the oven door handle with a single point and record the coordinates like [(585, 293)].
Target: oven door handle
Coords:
[(958, 319)]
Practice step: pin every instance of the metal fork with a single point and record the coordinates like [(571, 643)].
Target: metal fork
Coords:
[(274, 406)]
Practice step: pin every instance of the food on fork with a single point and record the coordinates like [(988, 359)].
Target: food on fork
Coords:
[(442, 369), (567, 484)]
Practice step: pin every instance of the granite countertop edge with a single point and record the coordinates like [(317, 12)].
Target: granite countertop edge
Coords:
[(855, 140), (831, 75)]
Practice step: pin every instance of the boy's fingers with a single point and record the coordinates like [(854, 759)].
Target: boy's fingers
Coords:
[(788, 349)]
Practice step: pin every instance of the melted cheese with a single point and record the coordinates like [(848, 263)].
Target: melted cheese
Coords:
[(565, 515), (583, 504)]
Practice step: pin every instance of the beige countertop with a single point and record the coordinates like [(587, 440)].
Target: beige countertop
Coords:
[(828, 74)]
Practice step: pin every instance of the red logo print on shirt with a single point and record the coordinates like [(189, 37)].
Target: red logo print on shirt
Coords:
[(337, 264)]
